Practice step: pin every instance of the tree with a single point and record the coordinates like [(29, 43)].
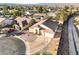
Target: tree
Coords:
[(40, 9), (62, 16), (5, 10), (66, 8)]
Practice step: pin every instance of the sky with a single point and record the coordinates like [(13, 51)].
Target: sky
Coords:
[(38, 1)]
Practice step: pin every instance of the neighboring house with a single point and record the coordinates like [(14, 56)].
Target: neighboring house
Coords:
[(12, 10), (74, 10), (77, 26), (52, 14), (38, 18), (1, 19), (77, 18), (22, 21), (39, 14), (46, 28), (7, 22), (1, 11), (60, 21), (30, 12)]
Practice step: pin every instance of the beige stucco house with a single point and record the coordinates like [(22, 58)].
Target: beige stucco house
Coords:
[(1, 19), (22, 21), (77, 18), (45, 28), (53, 14), (39, 14)]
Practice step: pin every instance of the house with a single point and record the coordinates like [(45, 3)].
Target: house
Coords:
[(1, 11), (77, 18), (74, 10), (35, 28), (22, 21), (30, 12), (27, 13), (38, 18), (1, 19), (46, 28), (52, 14), (39, 14), (7, 23), (77, 26), (60, 21)]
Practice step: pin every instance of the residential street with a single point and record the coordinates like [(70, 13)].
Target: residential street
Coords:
[(73, 38)]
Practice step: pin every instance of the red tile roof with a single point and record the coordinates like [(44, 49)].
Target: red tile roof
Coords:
[(48, 30)]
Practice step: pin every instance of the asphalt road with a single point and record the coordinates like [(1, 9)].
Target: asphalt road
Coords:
[(73, 38)]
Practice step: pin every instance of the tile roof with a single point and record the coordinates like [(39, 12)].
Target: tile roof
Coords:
[(48, 30)]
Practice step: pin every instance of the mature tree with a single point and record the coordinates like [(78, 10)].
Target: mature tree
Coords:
[(5, 9), (40, 9)]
